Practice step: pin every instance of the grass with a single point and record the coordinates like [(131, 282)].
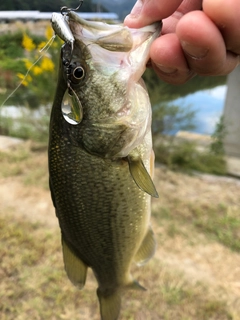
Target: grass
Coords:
[(222, 223), (28, 163), (33, 272), (32, 269), (185, 156), (219, 222), (35, 286)]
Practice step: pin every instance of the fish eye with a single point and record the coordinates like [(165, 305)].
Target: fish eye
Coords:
[(78, 73)]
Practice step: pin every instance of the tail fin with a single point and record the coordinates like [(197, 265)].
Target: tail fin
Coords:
[(109, 305)]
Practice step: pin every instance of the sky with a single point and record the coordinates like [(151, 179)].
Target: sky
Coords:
[(209, 105)]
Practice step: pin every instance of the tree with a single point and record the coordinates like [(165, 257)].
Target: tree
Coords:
[(48, 6)]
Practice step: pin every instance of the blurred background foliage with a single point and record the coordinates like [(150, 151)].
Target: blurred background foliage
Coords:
[(18, 53), (48, 6)]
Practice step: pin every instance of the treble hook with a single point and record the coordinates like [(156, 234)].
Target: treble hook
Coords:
[(66, 10)]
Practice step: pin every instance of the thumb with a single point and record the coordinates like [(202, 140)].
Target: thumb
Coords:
[(146, 12)]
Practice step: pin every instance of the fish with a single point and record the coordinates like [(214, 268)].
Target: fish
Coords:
[(101, 161)]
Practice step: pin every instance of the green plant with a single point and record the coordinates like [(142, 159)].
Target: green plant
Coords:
[(22, 62), (185, 155), (30, 124), (218, 137)]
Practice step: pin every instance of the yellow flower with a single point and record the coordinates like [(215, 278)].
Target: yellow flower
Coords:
[(37, 70), (49, 32), (28, 64), (41, 45), (27, 43), (25, 79), (47, 64)]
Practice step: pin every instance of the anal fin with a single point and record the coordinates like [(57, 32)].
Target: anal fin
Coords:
[(76, 269), (141, 176), (147, 248)]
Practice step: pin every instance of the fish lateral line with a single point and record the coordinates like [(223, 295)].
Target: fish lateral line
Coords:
[(44, 50)]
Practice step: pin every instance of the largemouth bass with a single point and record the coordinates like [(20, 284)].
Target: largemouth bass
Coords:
[(100, 157)]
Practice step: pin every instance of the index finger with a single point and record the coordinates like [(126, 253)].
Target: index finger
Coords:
[(146, 12)]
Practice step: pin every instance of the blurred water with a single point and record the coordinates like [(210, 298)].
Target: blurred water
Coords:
[(18, 112), (208, 104)]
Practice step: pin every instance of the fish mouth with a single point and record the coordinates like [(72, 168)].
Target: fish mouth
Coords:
[(117, 55), (115, 37)]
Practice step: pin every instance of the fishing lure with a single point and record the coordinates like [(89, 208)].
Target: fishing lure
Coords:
[(71, 106), (60, 24), (61, 28), (74, 73)]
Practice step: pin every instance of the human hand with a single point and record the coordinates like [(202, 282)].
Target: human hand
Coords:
[(198, 36)]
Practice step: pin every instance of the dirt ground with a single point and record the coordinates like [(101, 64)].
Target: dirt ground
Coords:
[(202, 260)]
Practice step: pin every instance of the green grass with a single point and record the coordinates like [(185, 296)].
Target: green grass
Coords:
[(219, 222), (33, 274), (27, 164), (34, 279), (222, 223), (185, 156)]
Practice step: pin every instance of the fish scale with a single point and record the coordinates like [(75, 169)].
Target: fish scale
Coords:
[(101, 165), (75, 220)]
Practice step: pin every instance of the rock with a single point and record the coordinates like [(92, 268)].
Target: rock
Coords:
[(7, 143)]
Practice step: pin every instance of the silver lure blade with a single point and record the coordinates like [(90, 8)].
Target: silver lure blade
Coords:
[(72, 110)]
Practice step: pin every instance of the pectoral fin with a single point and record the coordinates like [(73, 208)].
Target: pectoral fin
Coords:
[(75, 268), (147, 248), (141, 176)]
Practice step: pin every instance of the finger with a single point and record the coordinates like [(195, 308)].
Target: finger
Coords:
[(168, 60), (146, 12), (204, 46), (169, 24), (226, 15)]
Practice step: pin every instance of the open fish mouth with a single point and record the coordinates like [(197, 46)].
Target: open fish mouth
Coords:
[(119, 54), (114, 40)]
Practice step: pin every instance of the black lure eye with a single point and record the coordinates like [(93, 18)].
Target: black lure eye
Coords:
[(78, 73)]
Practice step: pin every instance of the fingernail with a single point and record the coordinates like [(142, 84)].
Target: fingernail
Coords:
[(136, 10), (194, 52), (167, 70)]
